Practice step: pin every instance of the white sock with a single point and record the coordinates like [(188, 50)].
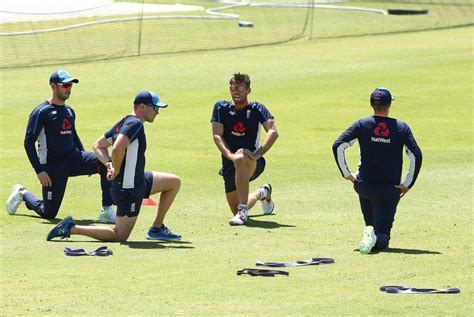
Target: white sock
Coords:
[(106, 208), (22, 192)]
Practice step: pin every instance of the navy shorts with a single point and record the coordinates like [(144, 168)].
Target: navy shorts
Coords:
[(129, 201), (229, 175)]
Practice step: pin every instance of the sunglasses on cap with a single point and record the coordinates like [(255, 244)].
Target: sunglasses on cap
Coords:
[(64, 85)]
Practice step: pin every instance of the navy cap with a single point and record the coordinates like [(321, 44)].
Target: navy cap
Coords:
[(381, 97), (62, 76), (149, 98)]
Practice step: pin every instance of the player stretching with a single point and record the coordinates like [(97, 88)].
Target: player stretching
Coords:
[(60, 154), (381, 140), (130, 182), (236, 127)]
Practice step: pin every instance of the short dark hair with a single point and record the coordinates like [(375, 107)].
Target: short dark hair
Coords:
[(379, 107), (239, 78)]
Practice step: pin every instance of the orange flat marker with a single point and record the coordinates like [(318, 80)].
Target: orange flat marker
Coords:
[(148, 202)]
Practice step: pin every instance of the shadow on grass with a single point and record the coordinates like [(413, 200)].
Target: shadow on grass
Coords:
[(261, 215), (252, 223), (33, 215), (158, 244), (82, 222), (402, 251), (407, 251), (136, 244)]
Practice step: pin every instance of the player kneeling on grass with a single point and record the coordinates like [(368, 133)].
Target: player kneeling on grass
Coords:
[(59, 155), (129, 181), (236, 127), (381, 140)]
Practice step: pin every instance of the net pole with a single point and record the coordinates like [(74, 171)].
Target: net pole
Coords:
[(140, 29), (310, 36), (306, 22)]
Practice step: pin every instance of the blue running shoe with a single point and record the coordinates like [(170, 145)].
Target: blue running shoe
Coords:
[(62, 229), (162, 233)]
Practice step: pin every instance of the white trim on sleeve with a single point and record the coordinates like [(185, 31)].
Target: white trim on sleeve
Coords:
[(341, 159)]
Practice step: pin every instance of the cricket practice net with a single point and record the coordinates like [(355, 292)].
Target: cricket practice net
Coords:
[(104, 29)]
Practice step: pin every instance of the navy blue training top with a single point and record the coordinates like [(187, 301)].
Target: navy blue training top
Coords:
[(381, 140), (241, 127), (54, 128), (133, 165)]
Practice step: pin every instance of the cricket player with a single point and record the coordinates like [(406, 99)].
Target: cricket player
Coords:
[(236, 130), (378, 179), (130, 182), (60, 154)]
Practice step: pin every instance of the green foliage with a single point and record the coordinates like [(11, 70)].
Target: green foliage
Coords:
[(315, 89)]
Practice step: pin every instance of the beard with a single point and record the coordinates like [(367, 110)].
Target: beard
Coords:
[(63, 95)]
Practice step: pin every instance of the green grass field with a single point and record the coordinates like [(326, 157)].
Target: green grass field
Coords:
[(315, 89)]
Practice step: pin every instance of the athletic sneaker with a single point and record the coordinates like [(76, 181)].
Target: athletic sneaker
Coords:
[(266, 201), (368, 240), (162, 233), (239, 218), (107, 215), (15, 199), (62, 229)]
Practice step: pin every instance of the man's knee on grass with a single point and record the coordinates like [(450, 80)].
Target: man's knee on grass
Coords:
[(123, 227), (49, 212)]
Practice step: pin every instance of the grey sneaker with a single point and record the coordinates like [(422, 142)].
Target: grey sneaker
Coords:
[(368, 240), (107, 215), (15, 199)]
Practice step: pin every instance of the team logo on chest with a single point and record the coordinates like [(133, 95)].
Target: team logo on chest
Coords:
[(66, 127), (238, 129)]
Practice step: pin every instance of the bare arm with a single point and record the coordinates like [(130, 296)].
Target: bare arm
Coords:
[(272, 134), (218, 133), (118, 153), (100, 147)]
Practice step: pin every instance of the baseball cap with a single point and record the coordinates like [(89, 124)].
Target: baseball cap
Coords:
[(62, 76), (149, 98), (381, 97)]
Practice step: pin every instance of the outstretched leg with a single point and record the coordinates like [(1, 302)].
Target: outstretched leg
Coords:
[(120, 233)]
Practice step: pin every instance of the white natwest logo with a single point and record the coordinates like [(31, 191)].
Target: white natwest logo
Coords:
[(380, 140)]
